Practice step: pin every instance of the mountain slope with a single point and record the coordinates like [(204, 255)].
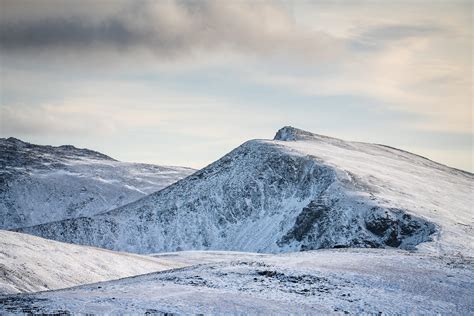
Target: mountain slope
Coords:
[(30, 264), (300, 191), (40, 184)]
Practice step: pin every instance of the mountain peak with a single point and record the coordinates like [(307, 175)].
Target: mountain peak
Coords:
[(290, 133), (14, 140)]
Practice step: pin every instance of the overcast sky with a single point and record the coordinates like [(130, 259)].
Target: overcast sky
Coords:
[(184, 82)]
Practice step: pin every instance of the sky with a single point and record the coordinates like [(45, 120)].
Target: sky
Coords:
[(185, 82)]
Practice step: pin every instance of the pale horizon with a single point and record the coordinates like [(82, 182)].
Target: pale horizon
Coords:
[(197, 167), (183, 83)]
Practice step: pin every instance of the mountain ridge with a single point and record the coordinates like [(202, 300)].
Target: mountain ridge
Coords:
[(40, 184), (290, 133), (281, 196), (13, 145)]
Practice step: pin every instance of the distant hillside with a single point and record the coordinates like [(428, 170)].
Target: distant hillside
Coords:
[(40, 184)]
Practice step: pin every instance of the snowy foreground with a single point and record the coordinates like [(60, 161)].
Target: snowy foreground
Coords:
[(322, 281), (30, 264)]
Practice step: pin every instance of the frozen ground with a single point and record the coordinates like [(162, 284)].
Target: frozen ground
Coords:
[(317, 282), (29, 264)]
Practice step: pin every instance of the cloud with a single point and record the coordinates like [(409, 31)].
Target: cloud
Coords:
[(77, 67), (166, 29), (397, 32), (412, 77), (96, 109), (50, 120), (378, 36)]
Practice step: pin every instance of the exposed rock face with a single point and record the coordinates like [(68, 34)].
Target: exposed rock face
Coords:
[(302, 191), (317, 226), (289, 133), (396, 227), (39, 184)]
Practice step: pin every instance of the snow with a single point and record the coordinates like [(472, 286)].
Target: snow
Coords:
[(443, 195), (30, 264), (367, 281), (266, 201), (300, 191), (40, 184)]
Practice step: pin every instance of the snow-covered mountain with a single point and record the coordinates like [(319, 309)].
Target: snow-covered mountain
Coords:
[(300, 191), (40, 184), (30, 264)]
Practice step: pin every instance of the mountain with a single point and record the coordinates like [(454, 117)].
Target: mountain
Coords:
[(30, 264), (40, 184), (300, 191), (323, 282)]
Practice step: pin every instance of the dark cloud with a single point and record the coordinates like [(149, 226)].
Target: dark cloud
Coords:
[(166, 28), (73, 32), (129, 28)]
